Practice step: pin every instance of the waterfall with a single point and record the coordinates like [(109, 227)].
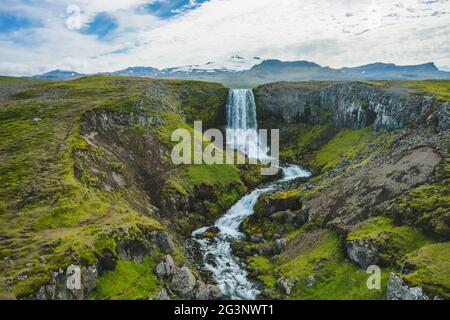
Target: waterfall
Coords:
[(227, 270), (242, 127)]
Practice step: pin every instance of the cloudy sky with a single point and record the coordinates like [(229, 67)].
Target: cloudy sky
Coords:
[(107, 35)]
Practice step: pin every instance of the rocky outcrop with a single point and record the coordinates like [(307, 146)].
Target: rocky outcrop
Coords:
[(365, 191), (270, 204), (182, 282), (279, 245), (74, 283), (163, 295), (397, 289), (138, 249), (207, 292), (286, 285), (349, 105), (363, 253), (129, 157), (166, 268)]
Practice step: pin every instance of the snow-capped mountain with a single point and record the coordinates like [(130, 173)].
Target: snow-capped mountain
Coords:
[(138, 72), (237, 71), (235, 63)]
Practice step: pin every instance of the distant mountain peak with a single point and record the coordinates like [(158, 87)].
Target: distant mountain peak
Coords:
[(430, 65), (58, 74), (242, 71), (275, 63)]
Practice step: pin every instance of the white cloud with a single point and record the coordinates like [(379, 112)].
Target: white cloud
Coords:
[(330, 32), (74, 18), (81, 12)]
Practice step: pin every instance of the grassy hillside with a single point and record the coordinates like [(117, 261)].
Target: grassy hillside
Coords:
[(85, 166), (65, 197)]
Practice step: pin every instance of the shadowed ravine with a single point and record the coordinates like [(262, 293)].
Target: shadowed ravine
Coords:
[(218, 258)]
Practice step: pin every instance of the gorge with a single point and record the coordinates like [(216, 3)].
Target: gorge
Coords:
[(86, 180), (217, 251)]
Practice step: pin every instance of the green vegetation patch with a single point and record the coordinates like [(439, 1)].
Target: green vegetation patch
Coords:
[(51, 216), (298, 140), (427, 207), (346, 145), (430, 269), (263, 269), (129, 281), (322, 271), (393, 242), (211, 174), (439, 88)]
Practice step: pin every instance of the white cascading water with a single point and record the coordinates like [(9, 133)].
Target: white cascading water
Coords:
[(218, 257), (242, 128)]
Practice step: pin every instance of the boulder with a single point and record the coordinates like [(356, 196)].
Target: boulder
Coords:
[(279, 217), (74, 283), (163, 295), (266, 249), (163, 241), (288, 216), (134, 250), (207, 292), (311, 281), (137, 249), (362, 252), (286, 284), (183, 282), (166, 268), (211, 232), (279, 245), (397, 289)]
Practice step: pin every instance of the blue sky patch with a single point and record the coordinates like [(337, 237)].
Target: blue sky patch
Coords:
[(169, 8), (10, 22), (102, 25)]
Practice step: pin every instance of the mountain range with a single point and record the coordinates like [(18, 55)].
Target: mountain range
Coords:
[(261, 71)]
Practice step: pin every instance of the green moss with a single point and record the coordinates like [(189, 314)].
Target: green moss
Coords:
[(439, 88), (298, 140), (346, 145), (430, 269), (269, 214), (212, 174), (264, 269), (226, 199), (129, 281), (52, 205), (334, 277), (427, 207), (393, 242)]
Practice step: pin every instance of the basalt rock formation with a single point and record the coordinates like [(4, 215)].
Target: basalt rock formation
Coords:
[(353, 105), (379, 153)]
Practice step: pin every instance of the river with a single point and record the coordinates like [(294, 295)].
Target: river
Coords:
[(227, 270)]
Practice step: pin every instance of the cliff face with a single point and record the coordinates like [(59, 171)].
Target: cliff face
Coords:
[(353, 105), (379, 155)]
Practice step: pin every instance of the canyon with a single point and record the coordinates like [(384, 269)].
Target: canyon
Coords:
[(87, 181)]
